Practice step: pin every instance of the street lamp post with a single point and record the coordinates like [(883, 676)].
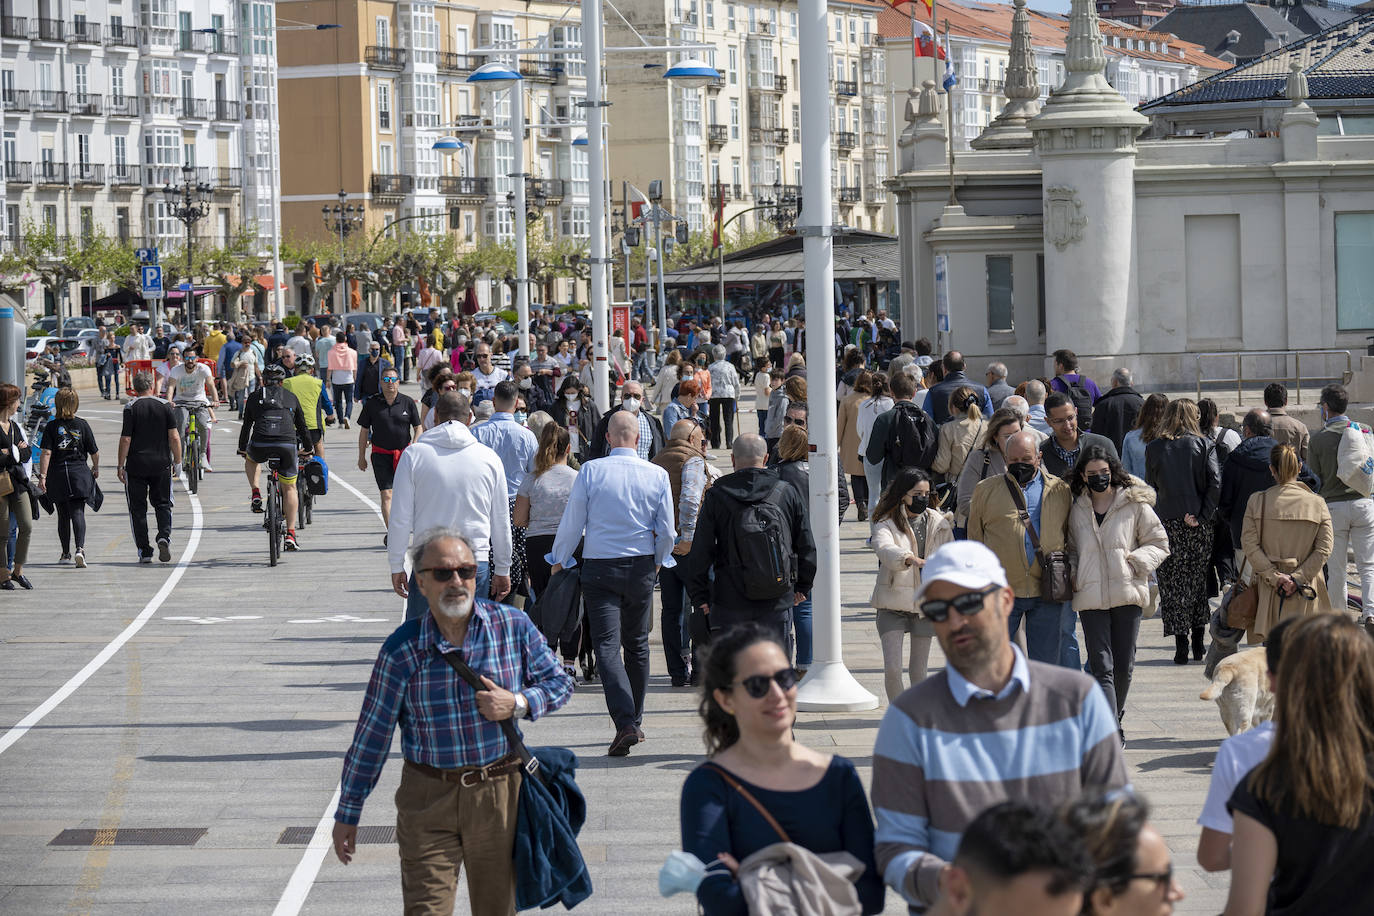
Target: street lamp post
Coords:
[(341, 219), (780, 216), (189, 203)]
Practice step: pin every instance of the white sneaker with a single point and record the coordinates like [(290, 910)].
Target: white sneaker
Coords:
[(80, 558), (205, 466)]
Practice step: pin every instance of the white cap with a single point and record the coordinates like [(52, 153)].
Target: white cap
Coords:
[(968, 564)]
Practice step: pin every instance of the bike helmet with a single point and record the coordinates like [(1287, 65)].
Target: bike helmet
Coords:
[(305, 362), (274, 374)]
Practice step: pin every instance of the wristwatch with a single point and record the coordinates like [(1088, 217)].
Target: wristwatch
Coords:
[(522, 706)]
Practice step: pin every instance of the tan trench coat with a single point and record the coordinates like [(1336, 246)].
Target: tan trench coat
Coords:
[(1297, 541), (849, 436)]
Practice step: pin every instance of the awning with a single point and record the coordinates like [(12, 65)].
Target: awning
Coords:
[(119, 299), (874, 262), (266, 281), (199, 291)]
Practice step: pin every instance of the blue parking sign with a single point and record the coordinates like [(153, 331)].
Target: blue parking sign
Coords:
[(152, 281)]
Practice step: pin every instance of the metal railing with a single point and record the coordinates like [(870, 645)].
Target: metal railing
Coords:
[(48, 100), (122, 106), (121, 36), (850, 195), (547, 188), (124, 174), (52, 173), (83, 31), (194, 41), (392, 184), (464, 185), (18, 172), (452, 62), (50, 30), (88, 173), (14, 26), (1297, 378), (846, 140), (14, 99), (224, 110), (771, 136), (846, 87), (85, 104), (384, 57), (717, 134), (720, 190), (194, 109)]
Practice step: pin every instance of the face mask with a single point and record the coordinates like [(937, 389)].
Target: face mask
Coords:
[(526, 383), (631, 404), (1099, 483), (683, 873), (570, 396), (919, 504), (520, 417), (465, 392), (1023, 471)]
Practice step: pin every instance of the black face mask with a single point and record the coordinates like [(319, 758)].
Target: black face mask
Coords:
[(1022, 471), (1099, 483), (919, 504)]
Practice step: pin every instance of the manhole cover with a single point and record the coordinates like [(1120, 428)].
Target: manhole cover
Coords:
[(131, 836), (300, 836)]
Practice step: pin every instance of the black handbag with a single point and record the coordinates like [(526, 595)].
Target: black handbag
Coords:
[(1056, 578)]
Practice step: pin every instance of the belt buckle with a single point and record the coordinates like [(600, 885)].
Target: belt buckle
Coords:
[(479, 775)]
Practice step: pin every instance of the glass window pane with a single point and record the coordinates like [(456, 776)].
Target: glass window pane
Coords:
[(1354, 271), (999, 293)]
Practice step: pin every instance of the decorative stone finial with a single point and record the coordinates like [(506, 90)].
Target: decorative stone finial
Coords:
[(1297, 84), (928, 103), (923, 143), (1022, 90)]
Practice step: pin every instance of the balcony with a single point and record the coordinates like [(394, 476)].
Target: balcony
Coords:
[(84, 32), (18, 173), (124, 175), (390, 185), (50, 30), (850, 195), (383, 57), (122, 106), (194, 41), (767, 82), (539, 73), (450, 62), (846, 140), (982, 84), (193, 109), (468, 186), (156, 177), (768, 136), (717, 134), (88, 174), (53, 174), (224, 43), (48, 100), (224, 110), (716, 83), (875, 194), (121, 36), (84, 104), (550, 189), (846, 87), (222, 178), (722, 191), (14, 100), (14, 27)]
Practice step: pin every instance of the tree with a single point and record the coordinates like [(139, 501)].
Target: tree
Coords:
[(232, 268), (394, 262), (453, 271), (325, 264), (55, 260)]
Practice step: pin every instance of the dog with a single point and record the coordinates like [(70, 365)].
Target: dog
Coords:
[(1241, 688)]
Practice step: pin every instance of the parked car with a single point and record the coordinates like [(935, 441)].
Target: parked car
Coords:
[(372, 320), (34, 346), (48, 325)]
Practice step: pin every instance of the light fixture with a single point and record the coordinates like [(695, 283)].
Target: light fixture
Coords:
[(448, 145), (495, 74), (581, 140), (692, 73)]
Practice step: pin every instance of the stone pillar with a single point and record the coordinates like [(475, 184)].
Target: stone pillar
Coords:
[(1085, 138), (1009, 130)]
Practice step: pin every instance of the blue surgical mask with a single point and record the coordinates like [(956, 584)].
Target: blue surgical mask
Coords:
[(520, 417), (683, 873)]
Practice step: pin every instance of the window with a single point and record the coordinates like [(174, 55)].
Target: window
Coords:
[(12, 224), (122, 223), (385, 161), (796, 117), (117, 84), (575, 222), (572, 62), (710, 14), (469, 228), (81, 82), (730, 17), (83, 149), (1040, 292), (184, 28), (868, 32), (839, 29), (121, 153), (792, 23), (853, 31), (159, 78), (733, 66), (734, 119), (384, 106), (499, 223), (753, 21), (383, 32), (999, 293), (50, 215), (1354, 271), (87, 222), (735, 172)]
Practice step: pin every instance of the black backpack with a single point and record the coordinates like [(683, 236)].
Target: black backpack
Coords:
[(275, 421), (764, 554), (913, 438), (1082, 401)]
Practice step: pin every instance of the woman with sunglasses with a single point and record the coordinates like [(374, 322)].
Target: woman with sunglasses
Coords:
[(1115, 542), (749, 705), (1134, 871), (906, 530)]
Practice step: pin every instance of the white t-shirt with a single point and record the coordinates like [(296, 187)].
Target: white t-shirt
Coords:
[(1236, 757), (189, 387), (489, 379), (299, 345)]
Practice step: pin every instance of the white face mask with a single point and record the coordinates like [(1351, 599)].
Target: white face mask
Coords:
[(465, 392), (683, 873), (570, 396), (526, 383), (631, 404)]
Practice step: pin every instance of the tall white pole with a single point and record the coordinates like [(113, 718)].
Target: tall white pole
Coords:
[(662, 296), (522, 263), (596, 200), (828, 684)]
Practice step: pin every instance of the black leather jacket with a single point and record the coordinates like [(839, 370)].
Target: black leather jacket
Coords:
[(1185, 476)]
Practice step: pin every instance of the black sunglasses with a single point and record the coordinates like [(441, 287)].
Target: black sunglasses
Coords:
[(967, 604), (390, 378), (788, 421), (444, 573), (757, 685), (1162, 879)]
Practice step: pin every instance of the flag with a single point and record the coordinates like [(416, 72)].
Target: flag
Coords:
[(425, 297), (355, 294), (926, 45), (928, 4), (951, 78), (637, 201), (716, 239), (319, 279)]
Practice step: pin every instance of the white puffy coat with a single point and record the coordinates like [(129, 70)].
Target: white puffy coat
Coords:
[(1112, 562), (895, 589)]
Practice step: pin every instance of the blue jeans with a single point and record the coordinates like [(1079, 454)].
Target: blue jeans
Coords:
[(418, 606), (801, 626), (398, 359), (1050, 636)]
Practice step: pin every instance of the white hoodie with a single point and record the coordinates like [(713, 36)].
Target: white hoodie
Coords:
[(448, 479)]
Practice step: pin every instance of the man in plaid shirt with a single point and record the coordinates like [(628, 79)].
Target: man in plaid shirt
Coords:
[(461, 783)]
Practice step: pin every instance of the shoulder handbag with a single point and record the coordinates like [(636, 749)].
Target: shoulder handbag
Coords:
[(1244, 604), (1056, 581)]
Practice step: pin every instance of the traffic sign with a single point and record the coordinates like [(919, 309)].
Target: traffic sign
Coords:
[(151, 275), (147, 255), (185, 287)]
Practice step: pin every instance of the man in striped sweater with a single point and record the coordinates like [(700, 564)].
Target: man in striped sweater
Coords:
[(991, 727)]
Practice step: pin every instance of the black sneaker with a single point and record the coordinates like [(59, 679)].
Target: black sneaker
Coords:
[(145, 559), (164, 550)]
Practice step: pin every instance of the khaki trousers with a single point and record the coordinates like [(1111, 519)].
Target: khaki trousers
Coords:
[(441, 824)]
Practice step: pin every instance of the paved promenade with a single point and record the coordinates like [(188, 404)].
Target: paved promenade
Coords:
[(213, 698)]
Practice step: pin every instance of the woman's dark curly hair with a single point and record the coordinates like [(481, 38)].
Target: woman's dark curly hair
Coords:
[(718, 665), (1109, 823), (1077, 483)]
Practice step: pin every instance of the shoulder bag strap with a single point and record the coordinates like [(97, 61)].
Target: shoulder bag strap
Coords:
[(529, 763), (1020, 502), (987, 459), (735, 784)]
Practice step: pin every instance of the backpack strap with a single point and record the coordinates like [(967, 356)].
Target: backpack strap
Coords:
[(734, 783)]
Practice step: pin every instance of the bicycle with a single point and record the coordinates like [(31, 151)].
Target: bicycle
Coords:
[(275, 520), (305, 500), (190, 457)]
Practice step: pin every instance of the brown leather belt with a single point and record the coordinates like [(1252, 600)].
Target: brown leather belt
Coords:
[(467, 777)]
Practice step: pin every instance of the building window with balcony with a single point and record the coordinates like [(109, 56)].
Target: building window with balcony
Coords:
[(386, 163), (999, 296), (121, 154), (383, 32), (384, 106)]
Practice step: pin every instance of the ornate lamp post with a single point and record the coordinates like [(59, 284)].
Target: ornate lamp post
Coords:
[(189, 203), (342, 218)]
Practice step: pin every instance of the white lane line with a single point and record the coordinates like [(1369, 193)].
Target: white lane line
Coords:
[(303, 878), (8, 739), (358, 493)]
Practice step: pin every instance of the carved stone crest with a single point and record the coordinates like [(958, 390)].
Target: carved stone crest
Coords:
[(1064, 219)]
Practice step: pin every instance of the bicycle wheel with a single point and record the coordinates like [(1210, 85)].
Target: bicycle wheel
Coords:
[(302, 503), (193, 465), (273, 522), (309, 507)]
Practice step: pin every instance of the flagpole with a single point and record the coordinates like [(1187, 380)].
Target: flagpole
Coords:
[(949, 112)]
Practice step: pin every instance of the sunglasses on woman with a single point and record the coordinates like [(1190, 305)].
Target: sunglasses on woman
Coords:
[(756, 685), (967, 604), (444, 573)]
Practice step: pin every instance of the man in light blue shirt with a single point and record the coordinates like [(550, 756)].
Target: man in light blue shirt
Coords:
[(624, 506), (514, 443)]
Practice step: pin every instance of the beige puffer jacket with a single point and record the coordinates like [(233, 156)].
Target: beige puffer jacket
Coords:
[(895, 589), (1112, 562)]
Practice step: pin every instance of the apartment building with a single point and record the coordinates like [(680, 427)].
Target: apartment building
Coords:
[(104, 102), (741, 134), (362, 110)]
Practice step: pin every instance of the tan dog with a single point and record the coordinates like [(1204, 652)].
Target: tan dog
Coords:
[(1240, 685)]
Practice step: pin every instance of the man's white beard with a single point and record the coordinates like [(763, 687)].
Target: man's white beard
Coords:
[(458, 609)]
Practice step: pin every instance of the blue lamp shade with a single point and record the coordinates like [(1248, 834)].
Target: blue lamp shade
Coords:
[(692, 73), (448, 145), (581, 140), (494, 74)]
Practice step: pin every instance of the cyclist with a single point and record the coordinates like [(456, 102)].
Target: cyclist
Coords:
[(273, 425), (314, 398), (191, 385)]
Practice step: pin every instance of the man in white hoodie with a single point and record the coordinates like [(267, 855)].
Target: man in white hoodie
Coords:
[(447, 479)]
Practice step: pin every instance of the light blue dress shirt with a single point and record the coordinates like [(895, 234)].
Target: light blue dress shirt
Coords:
[(964, 690), (514, 444), (633, 517), (1033, 494)]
